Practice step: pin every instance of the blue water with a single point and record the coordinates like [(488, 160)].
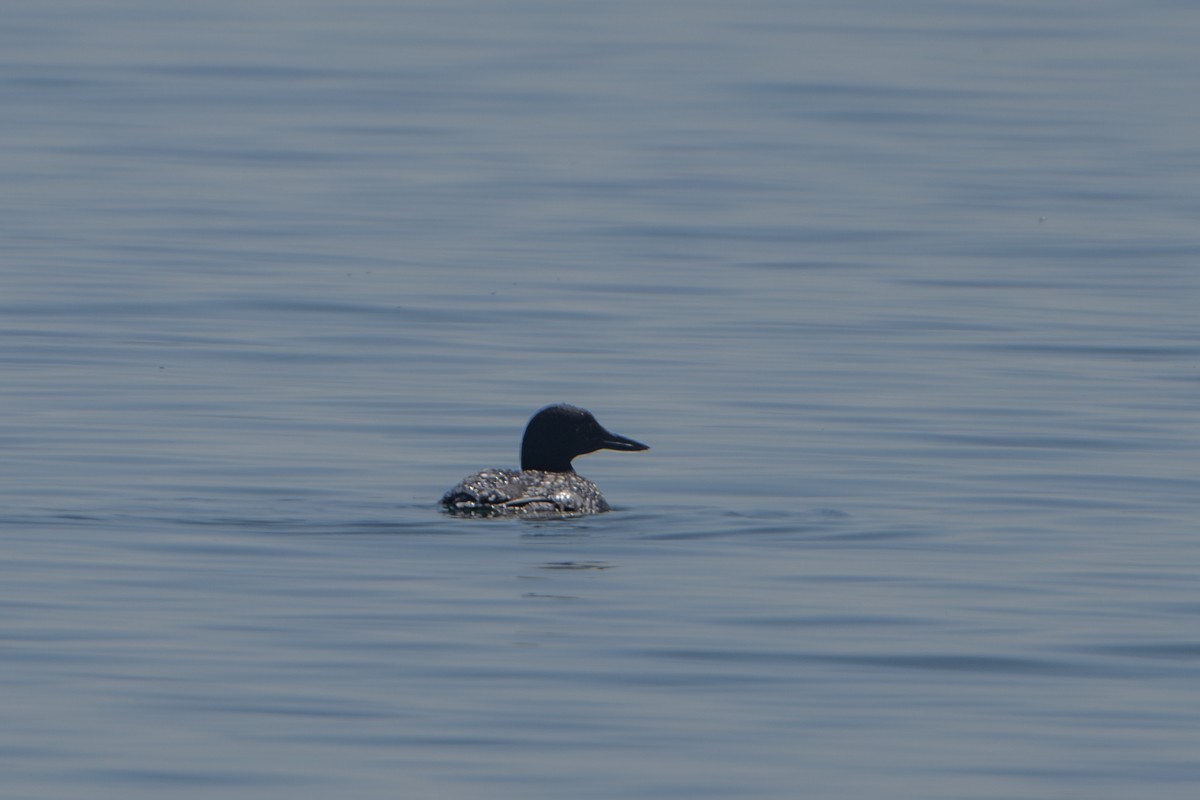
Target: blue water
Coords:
[(902, 295)]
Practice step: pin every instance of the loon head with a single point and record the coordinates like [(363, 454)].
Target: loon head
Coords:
[(557, 434)]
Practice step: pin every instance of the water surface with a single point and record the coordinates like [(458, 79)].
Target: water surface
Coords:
[(903, 299)]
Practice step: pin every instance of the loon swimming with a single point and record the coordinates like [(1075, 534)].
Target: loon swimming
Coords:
[(546, 484)]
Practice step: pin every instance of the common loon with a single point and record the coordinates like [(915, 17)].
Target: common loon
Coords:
[(546, 484)]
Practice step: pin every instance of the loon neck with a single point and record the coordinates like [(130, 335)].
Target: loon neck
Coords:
[(545, 463)]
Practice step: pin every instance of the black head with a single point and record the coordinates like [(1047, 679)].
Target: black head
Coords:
[(557, 434)]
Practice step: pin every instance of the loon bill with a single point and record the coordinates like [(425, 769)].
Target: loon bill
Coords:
[(546, 484)]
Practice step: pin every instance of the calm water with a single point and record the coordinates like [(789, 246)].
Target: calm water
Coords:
[(903, 296)]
